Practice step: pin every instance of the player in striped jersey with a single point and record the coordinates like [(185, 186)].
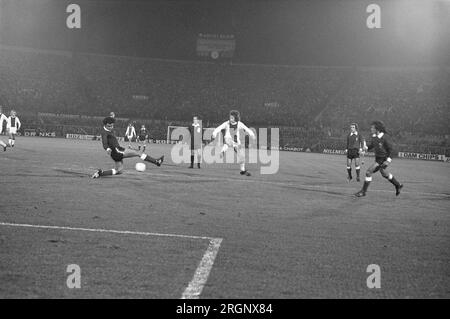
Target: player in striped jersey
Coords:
[(232, 128), (118, 153), (130, 134), (13, 126), (3, 119)]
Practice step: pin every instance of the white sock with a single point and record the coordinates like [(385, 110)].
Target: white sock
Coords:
[(242, 167)]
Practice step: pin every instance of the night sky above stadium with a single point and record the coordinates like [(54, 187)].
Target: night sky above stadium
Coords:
[(274, 32)]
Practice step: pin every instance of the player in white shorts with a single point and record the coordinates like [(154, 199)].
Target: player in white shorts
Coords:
[(12, 126), (130, 134), (3, 119), (232, 128)]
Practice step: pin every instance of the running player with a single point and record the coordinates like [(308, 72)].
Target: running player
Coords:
[(118, 153), (232, 129), (355, 145), (130, 134), (3, 119), (382, 147), (143, 136), (13, 126), (196, 132)]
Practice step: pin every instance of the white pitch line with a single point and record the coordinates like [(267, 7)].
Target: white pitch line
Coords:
[(201, 275), (99, 230)]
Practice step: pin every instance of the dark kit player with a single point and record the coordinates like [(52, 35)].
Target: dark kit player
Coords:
[(196, 132), (382, 147), (118, 153), (355, 145), (143, 136)]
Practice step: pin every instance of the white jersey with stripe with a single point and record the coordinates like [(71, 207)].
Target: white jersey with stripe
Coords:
[(130, 131), (12, 122), (237, 127)]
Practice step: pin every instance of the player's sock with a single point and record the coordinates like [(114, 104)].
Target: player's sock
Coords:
[(150, 159), (192, 161), (349, 172), (358, 170), (109, 172), (392, 179), (242, 167), (366, 184), (363, 191), (10, 142)]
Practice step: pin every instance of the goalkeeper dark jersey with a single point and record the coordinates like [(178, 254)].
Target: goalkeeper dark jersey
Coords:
[(381, 145)]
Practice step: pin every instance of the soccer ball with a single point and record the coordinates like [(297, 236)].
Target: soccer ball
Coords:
[(140, 167)]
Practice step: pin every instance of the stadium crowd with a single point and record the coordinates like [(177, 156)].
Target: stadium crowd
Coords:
[(312, 105)]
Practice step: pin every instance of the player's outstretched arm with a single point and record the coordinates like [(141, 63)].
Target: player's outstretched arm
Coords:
[(219, 128), (247, 130)]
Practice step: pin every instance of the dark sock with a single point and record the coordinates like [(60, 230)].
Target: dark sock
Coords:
[(192, 160), (150, 159), (106, 173), (357, 172), (365, 186), (395, 182), (349, 171)]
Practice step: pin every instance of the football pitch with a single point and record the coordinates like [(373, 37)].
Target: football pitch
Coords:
[(174, 232)]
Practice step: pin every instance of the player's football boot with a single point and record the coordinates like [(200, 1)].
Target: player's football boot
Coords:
[(397, 189), (159, 161), (191, 166), (361, 193), (97, 174), (246, 173)]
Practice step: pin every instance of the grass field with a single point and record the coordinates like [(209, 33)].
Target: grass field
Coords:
[(211, 233)]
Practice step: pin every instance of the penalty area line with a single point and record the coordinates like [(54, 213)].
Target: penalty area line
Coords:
[(196, 285)]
